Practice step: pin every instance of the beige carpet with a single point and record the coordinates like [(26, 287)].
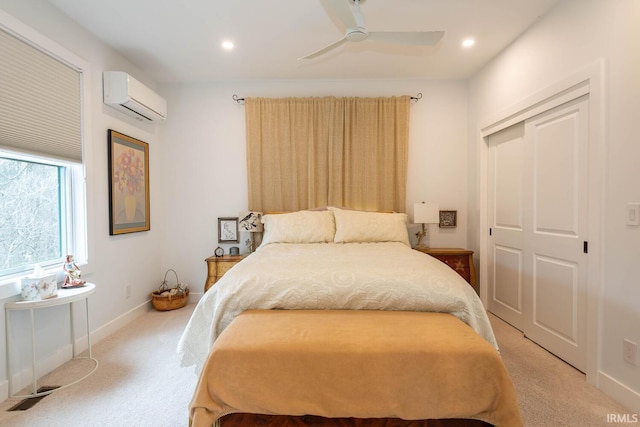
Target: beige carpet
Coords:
[(139, 383), (551, 392)]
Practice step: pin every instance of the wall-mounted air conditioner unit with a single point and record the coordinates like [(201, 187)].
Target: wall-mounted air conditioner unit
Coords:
[(124, 93)]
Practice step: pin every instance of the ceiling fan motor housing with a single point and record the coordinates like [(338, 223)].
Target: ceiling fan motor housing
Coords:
[(356, 35)]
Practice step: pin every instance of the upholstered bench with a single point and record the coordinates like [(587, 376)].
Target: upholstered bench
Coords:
[(352, 364)]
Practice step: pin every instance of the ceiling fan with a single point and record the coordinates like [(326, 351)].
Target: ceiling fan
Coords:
[(353, 19)]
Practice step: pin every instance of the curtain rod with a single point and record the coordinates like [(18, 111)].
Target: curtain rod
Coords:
[(413, 98)]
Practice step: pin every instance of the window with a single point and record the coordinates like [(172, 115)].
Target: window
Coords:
[(43, 94), (36, 217)]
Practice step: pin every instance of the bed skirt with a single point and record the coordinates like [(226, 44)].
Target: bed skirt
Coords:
[(256, 420)]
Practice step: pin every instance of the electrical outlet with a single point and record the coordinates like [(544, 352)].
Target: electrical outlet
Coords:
[(629, 351), (633, 214), (127, 291)]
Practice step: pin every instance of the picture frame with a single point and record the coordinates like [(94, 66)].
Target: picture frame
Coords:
[(228, 230), (448, 219), (129, 207)]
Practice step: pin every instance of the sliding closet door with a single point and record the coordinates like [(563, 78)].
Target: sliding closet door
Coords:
[(506, 206), (556, 210), (538, 175)]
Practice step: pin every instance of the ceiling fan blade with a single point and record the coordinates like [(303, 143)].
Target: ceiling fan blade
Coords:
[(343, 11), (324, 49), (415, 38)]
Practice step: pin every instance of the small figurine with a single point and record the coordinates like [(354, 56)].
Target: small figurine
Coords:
[(72, 274)]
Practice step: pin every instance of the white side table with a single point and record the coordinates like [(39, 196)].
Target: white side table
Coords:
[(65, 296)]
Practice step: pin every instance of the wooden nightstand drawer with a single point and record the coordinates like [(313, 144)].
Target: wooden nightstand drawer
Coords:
[(223, 267), (461, 260), (218, 266)]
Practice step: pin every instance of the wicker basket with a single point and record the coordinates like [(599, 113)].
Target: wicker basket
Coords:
[(167, 298)]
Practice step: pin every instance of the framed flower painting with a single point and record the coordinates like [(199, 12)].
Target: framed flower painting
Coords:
[(128, 184)]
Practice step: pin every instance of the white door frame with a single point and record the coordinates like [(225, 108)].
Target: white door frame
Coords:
[(589, 80)]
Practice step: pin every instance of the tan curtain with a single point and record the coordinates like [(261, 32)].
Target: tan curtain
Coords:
[(310, 152)]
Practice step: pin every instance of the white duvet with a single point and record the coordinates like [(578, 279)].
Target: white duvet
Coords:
[(351, 276)]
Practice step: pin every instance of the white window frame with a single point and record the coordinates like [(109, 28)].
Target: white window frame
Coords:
[(73, 221), (80, 191)]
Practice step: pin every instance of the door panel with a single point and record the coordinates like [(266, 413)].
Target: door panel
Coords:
[(556, 179), (507, 291), (508, 183), (555, 295)]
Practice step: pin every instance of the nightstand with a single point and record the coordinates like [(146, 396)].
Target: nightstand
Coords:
[(461, 260), (217, 266)]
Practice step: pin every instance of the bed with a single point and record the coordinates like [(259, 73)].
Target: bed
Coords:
[(289, 336)]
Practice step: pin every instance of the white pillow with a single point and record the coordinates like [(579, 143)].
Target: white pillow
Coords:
[(360, 226), (299, 227)]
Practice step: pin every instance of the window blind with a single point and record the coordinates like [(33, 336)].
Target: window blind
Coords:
[(39, 102)]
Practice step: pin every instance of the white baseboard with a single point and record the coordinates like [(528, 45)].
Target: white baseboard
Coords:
[(117, 323), (24, 378), (194, 297), (620, 392)]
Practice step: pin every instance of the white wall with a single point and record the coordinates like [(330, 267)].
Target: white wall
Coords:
[(575, 34), (114, 260), (204, 162)]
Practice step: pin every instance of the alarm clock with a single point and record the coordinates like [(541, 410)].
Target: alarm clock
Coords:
[(219, 251)]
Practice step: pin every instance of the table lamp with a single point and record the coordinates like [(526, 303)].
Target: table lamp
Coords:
[(251, 222), (425, 213)]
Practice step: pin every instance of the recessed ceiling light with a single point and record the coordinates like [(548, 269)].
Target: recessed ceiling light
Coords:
[(227, 45), (468, 42)]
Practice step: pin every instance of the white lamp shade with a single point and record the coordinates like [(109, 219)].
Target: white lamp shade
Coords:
[(426, 213)]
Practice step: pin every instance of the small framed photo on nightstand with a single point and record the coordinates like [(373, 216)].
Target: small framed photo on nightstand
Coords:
[(228, 230), (448, 219)]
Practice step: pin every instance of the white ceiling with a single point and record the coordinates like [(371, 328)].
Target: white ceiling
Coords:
[(179, 41)]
